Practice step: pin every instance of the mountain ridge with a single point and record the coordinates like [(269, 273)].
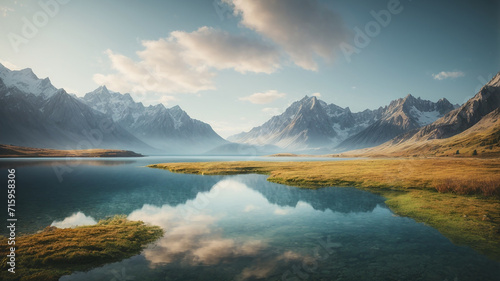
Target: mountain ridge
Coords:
[(473, 126), (462, 118), (170, 129), (311, 124), (36, 114), (402, 115)]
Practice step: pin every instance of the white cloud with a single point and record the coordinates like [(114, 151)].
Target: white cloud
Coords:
[(219, 49), (448, 74), (304, 29), (162, 69), (185, 62), (263, 98), (318, 95)]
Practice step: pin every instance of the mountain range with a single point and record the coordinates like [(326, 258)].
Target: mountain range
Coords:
[(400, 116), (312, 125), (474, 126), (34, 113), (169, 129), (309, 124)]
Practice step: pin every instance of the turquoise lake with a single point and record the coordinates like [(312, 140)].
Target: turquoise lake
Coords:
[(238, 227)]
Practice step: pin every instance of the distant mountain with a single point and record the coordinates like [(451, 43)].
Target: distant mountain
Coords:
[(241, 149), (309, 124), (462, 118), (34, 113), (169, 129), (483, 137), (400, 116), (473, 126)]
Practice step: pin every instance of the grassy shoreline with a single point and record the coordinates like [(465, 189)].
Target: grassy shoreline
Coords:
[(55, 252), (12, 151), (458, 197)]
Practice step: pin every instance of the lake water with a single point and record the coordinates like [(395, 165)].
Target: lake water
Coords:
[(237, 227)]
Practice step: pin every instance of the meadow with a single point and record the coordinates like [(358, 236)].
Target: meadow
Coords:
[(460, 197)]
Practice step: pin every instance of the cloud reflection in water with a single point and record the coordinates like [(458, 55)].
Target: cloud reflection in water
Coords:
[(76, 219), (195, 239)]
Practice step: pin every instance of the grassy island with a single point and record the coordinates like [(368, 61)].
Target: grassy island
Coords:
[(458, 196), (55, 252)]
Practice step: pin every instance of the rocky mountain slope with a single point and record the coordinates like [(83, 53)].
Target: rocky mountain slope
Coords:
[(473, 126), (400, 116), (464, 117), (34, 113), (313, 125)]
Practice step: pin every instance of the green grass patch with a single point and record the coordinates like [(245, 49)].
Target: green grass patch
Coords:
[(55, 252)]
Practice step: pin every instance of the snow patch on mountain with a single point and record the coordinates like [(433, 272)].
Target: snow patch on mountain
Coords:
[(26, 81), (424, 118)]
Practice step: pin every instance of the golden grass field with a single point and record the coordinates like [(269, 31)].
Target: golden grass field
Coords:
[(483, 138), (458, 196), (55, 252)]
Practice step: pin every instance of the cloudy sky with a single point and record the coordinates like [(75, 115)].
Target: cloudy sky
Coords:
[(235, 63)]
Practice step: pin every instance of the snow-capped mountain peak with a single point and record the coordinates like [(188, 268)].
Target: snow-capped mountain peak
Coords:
[(26, 81), (161, 127), (309, 123)]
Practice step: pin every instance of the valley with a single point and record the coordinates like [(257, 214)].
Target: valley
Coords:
[(250, 140)]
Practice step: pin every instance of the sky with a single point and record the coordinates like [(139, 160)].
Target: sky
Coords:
[(236, 63)]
